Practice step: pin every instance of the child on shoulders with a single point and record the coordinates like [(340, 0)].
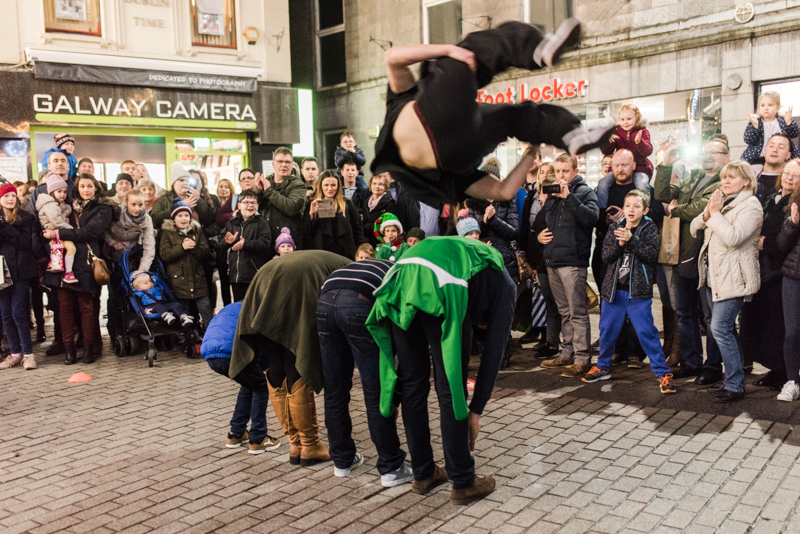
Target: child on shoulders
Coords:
[(632, 134), (767, 123)]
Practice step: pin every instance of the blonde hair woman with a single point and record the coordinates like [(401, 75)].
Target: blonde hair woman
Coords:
[(728, 264), (340, 234)]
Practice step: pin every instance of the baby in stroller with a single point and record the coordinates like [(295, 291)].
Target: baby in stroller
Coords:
[(152, 299)]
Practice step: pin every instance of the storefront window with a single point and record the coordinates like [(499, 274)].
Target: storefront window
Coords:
[(442, 21), (204, 144)]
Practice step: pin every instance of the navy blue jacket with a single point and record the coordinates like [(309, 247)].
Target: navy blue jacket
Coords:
[(644, 247)]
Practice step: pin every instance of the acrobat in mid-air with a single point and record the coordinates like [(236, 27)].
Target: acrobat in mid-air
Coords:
[(436, 133)]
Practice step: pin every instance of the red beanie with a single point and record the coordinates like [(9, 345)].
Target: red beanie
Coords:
[(7, 188)]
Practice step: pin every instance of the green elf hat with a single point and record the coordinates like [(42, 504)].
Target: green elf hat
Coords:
[(387, 219)]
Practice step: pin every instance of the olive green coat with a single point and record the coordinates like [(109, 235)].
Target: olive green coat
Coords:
[(185, 272)]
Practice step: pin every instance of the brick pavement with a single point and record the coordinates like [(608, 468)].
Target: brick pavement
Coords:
[(141, 450)]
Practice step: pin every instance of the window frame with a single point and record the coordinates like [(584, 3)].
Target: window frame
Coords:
[(526, 7), (194, 29), (324, 33), (49, 31), (426, 30)]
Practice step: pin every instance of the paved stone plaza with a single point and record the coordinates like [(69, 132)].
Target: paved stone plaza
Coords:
[(142, 450)]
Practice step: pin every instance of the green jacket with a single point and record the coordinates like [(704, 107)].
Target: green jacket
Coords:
[(162, 210), (282, 206), (281, 305), (432, 277), (688, 206), (187, 277)]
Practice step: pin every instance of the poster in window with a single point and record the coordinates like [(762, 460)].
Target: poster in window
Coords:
[(211, 17), (71, 9)]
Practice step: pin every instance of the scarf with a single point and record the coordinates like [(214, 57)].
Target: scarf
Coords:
[(78, 206), (129, 220), (373, 202)]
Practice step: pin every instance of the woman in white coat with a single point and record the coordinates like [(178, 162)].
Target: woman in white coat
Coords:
[(728, 264)]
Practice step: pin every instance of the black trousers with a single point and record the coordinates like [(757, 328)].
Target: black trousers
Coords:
[(239, 291), (463, 130), (282, 365)]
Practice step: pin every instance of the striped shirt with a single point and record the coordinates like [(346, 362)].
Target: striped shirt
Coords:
[(363, 277)]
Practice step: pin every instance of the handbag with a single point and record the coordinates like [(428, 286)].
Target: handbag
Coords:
[(102, 274), (5, 274), (592, 300), (56, 264), (669, 250), (538, 307), (688, 266)]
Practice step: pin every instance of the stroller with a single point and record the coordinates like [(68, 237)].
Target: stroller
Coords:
[(137, 326)]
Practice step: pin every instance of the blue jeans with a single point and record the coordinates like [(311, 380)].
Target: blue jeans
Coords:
[(723, 327), (16, 311), (345, 340), (251, 404), (713, 354), (612, 319), (686, 297), (791, 318)]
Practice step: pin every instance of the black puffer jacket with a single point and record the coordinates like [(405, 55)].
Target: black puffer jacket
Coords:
[(571, 220), (501, 229), (771, 257), (644, 246), (22, 246), (86, 232), (789, 242), (257, 249)]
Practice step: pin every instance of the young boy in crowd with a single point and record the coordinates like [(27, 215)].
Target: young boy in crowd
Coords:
[(246, 244), (54, 212), (414, 236), (348, 152), (365, 252), (151, 296), (630, 249), (467, 226), (765, 124), (184, 249), (66, 144), (389, 232), (285, 244)]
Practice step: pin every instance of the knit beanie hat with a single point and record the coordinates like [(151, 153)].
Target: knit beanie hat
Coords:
[(285, 237), (492, 166), (418, 233), (126, 177), (54, 183), (63, 138), (387, 219), (176, 172), (179, 206), (466, 224), (8, 188)]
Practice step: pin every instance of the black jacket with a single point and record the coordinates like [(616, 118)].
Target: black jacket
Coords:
[(22, 246), (501, 229), (341, 234), (789, 243), (257, 249), (644, 246), (94, 220), (407, 208), (771, 258), (571, 221), (385, 204)]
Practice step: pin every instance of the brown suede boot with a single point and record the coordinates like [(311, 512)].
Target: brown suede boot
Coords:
[(303, 413), (482, 487), (280, 404), (438, 478), (675, 358)]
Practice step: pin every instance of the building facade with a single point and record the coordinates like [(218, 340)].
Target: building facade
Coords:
[(694, 68), (203, 82)]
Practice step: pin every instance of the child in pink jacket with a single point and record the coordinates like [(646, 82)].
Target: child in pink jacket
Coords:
[(632, 135)]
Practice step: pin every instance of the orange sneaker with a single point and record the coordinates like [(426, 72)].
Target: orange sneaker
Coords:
[(667, 385)]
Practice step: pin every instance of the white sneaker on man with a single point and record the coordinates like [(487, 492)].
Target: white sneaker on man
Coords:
[(402, 475), (358, 459), (789, 392)]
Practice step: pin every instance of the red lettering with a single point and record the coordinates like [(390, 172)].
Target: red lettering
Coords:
[(581, 85), (569, 89), (535, 94), (500, 98), (547, 93), (557, 89), (522, 92), (510, 95), (480, 95), (488, 99)]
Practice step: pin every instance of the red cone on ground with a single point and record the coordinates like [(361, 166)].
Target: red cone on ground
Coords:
[(79, 377)]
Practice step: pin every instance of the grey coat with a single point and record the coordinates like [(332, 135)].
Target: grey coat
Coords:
[(129, 236)]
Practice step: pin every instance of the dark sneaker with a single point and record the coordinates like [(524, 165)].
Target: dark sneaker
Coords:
[(438, 478), (554, 44), (547, 352), (400, 476), (574, 371), (685, 371), (556, 362), (618, 359), (579, 140), (267, 444), (482, 487), (667, 385), (344, 472), (596, 374), (634, 363), (234, 442), (725, 396)]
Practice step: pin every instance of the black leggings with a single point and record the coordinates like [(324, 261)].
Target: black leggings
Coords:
[(462, 130), (281, 365)]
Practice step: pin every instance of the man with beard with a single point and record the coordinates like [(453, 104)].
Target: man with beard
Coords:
[(776, 154)]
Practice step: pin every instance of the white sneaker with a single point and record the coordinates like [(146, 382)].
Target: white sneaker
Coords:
[(403, 475), (553, 44), (12, 360), (790, 392), (344, 473)]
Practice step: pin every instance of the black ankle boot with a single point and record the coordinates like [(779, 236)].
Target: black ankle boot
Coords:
[(88, 353), (55, 348), (40, 337), (72, 355)]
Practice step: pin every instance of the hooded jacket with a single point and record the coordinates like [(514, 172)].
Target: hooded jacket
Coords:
[(571, 221), (185, 271), (728, 260), (643, 247), (221, 331), (257, 249), (53, 214)]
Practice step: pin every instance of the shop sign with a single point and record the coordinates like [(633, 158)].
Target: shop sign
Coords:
[(555, 90)]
